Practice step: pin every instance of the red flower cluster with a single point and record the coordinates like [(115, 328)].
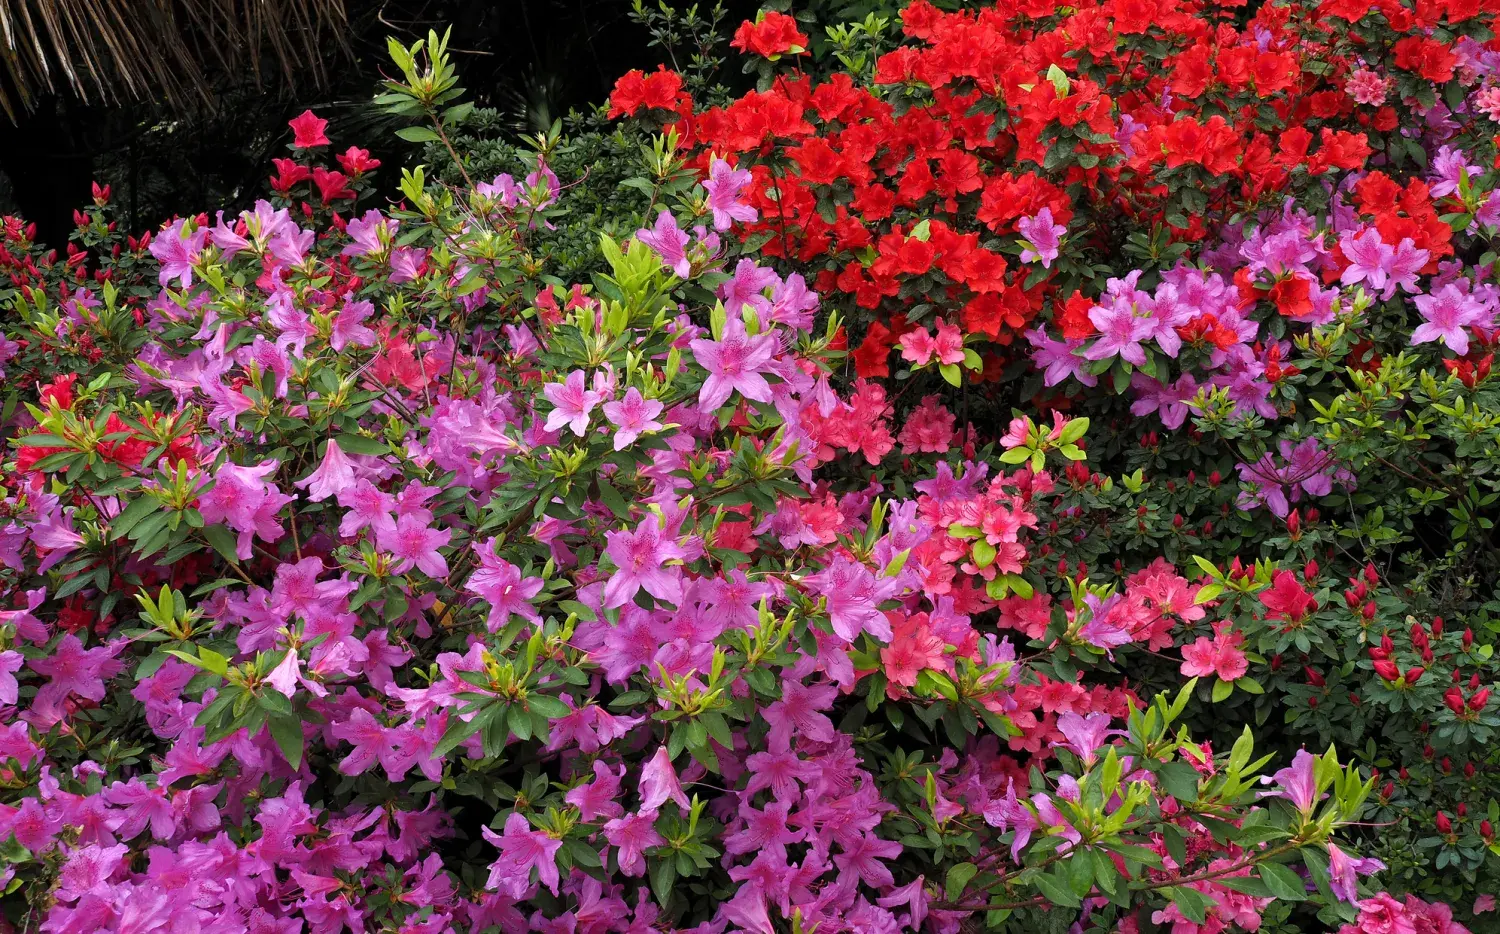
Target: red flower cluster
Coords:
[(905, 195), (771, 36)]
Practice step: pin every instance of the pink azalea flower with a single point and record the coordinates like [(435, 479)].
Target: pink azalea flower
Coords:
[(349, 326), (1221, 656), (734, 364), (670, 243), (631, 835), (632, 416), (659, 784), (640, 559), (861, 861), (177, 250), (1043, 237), (572, 402), (500, 584), (333, 476), (1295, 783), (522, 850), (1446, 313), (414, 543), (1121, 332), (724, 184)]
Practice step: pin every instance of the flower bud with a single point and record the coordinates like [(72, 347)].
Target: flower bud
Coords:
[(1414, 674), (1387, 670), (1310, 571), (1463, 809), (1313, 677), (1473, 679), (1444, 825), (1486, 830), (1453, 699), (1437, 627), (1468, 637), (1480, 699)]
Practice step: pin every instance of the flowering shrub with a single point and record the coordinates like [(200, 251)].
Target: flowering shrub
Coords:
[(1252, 247), (364, 577)]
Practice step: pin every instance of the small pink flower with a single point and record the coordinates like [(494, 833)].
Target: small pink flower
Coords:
[(1220, 656), (1366, 87), (572, 402), (633, 416)]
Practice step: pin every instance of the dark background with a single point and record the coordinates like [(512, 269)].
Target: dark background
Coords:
[(533, 60)]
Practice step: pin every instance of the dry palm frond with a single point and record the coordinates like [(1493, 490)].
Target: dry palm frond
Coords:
[(107, 51)]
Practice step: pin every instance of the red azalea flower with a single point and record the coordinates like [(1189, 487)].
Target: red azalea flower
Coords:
[(308, 130)]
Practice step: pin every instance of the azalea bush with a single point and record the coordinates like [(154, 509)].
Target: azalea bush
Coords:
[(377, 560), (1252, 246)]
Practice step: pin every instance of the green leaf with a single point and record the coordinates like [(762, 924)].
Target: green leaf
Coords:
[(1074, 430), (547, 705), (418, 134), (613, 500), (1056, 891), (206, 659), (958, 877), (1248, 885), (458, 731), (139, 508), (951, 373), (1222, 690), (359, 444), (222, 540), (1192, 903), (663, 874), (275, 703), (287, 731), (1283, 882), (1180, 780)]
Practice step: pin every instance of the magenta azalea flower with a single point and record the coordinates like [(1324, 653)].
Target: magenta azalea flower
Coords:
[(333, 476), (1295, 783), (1043, 238), (724, 184), (1121, 332), (522, 850), (572, 402), (415, 544), (632, 416), (641, 559), (734, 364), (1446, 313), (177, 250), (669, 241)]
